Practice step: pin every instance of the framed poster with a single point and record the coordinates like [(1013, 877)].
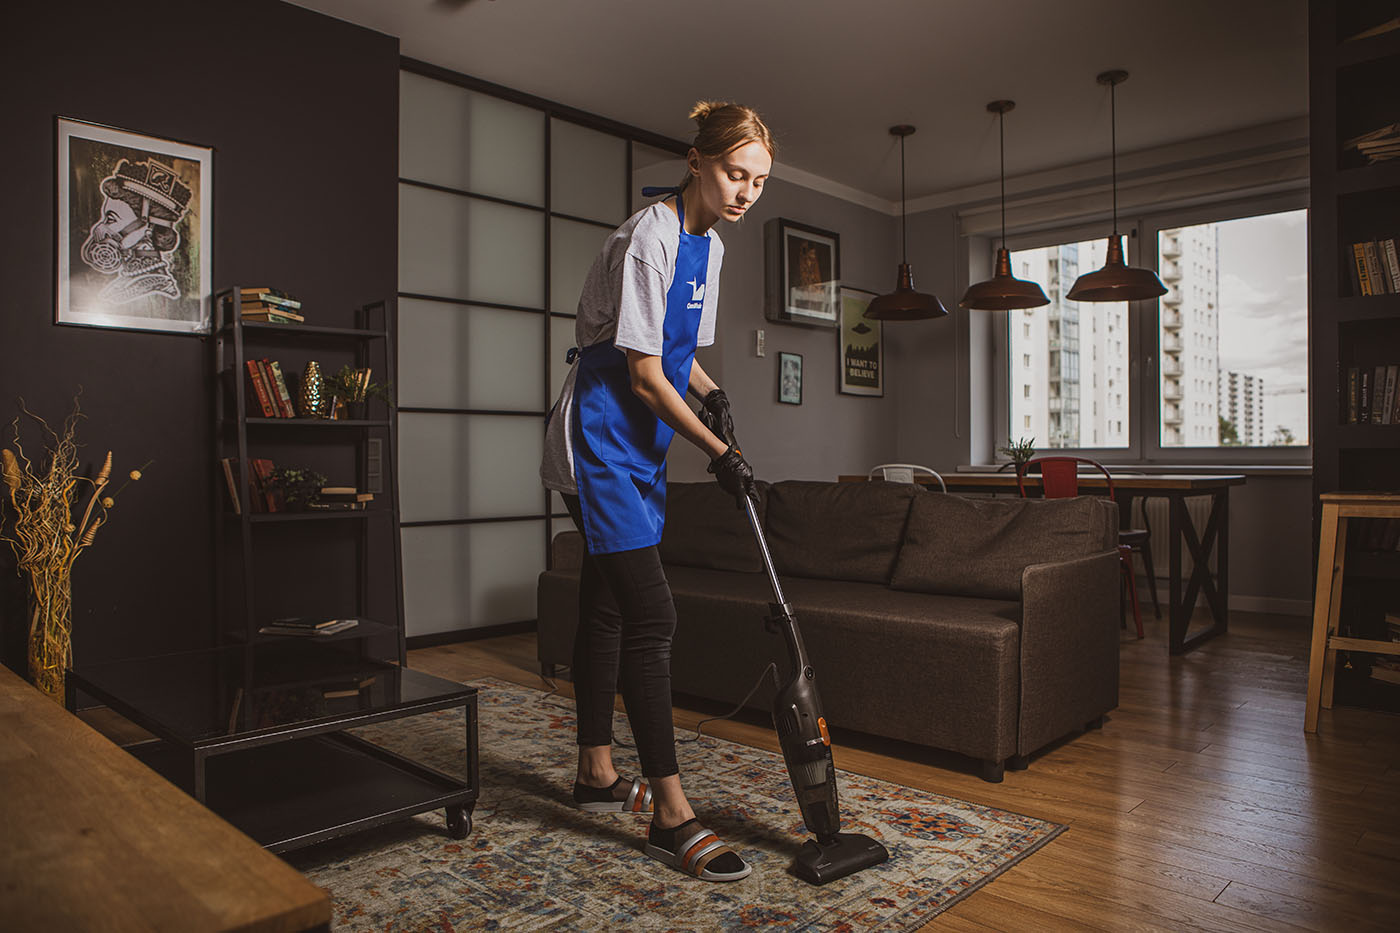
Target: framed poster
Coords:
[(134, 230), (790, 378), (802, 274), (862, 362)]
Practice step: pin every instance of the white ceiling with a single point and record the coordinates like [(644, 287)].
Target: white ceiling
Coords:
[(831, 76)]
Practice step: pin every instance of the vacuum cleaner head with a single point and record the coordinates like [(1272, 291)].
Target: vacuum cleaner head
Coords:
[(845, 854)]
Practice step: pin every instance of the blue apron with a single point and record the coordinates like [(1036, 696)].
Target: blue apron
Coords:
[(619, 443)]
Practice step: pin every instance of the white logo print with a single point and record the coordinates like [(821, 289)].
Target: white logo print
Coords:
[(697, 292)]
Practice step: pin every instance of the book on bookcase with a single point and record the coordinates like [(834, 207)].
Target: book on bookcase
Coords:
[(284, 397), (230, 470)]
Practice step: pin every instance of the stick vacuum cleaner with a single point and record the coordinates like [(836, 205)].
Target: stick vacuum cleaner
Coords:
[(802, 733)]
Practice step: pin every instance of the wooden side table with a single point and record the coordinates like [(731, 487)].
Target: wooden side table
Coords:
[(1337, 508)]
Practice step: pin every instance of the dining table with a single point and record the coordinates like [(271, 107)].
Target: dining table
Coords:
[(1182, 535)]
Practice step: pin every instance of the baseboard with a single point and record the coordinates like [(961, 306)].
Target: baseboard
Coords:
[(469, 634), (1276, 605)]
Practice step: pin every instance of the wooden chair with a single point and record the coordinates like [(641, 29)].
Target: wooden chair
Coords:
[(904, 473), (1059, 479)]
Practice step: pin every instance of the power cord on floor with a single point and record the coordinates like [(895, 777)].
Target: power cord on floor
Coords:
[(772, 668)]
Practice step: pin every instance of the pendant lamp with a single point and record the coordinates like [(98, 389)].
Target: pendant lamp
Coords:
[(1003, 291), (904, 304), (1116, 281)]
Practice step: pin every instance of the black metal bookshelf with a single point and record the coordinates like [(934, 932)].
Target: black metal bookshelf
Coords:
[(245, 600)]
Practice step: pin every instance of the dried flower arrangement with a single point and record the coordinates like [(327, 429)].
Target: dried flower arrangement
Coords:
[(46, 539)]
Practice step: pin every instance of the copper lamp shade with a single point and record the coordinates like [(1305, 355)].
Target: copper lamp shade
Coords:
[(1116, 281), (904, 304), (1003, 291)]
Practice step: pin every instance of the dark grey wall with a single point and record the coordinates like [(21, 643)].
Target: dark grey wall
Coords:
[(302, 111)]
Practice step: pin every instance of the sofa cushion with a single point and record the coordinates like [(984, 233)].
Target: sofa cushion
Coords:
[(978, 547), (706, 528), (838, 531)]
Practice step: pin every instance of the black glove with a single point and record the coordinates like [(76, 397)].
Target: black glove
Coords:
[(734, 474), (715, 415)]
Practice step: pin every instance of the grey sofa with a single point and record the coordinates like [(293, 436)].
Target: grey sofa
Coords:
[(986, 627)]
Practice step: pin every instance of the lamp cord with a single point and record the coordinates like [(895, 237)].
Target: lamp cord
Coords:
[(1001, 126), (903, 224), (1113, 148)]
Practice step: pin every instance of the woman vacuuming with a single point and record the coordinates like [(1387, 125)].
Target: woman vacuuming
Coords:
[(648, 302)]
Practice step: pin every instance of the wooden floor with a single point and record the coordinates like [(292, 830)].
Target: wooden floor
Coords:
[(1200, 805)]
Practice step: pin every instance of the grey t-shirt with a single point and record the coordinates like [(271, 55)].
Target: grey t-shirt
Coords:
[(624, 301)]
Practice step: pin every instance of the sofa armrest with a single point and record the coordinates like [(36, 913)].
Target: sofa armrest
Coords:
[(1069, 646), (566, 551)]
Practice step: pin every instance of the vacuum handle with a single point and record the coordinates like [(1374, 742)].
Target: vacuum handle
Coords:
[(751, 508)]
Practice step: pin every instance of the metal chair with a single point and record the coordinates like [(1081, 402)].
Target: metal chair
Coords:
[(904, 473), (1059, 479)]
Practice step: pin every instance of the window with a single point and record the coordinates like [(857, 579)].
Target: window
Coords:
[(1214, 371)]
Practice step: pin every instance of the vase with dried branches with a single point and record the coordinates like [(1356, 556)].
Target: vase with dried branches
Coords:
[(46, 538)]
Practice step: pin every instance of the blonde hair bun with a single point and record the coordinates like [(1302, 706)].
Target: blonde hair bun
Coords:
[(703, 108), (723, 125)]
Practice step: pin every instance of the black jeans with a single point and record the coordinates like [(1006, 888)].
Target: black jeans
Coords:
[(626, 620)]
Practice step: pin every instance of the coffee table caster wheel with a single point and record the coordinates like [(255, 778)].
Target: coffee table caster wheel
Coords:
[(459, 822)]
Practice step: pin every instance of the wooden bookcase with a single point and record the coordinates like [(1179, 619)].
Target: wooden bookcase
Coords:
[(1352, 89), (332, 564)]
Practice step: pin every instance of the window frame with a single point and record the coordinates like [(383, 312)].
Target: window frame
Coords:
[(1144, 356)]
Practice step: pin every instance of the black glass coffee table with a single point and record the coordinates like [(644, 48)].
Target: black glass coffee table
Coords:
[(257, 734)]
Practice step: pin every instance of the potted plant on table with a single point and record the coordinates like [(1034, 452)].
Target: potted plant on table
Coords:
[(1020, 451)]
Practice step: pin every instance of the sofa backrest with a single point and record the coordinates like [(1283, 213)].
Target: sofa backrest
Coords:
[(837, 531), (706, 528), (978, 547)]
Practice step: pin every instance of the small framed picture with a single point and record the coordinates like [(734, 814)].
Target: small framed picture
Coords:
[(861, 344), (790, 378), (802, 274), (134, 230)]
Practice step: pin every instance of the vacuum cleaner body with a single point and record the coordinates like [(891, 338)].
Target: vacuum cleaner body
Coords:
[(806, 744)]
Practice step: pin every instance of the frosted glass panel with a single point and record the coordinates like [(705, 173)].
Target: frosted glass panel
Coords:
[(557, 507), (469, 466), (587, 173), (463, 139), (653, 167), (468, 576), (452, 246), (572, 248), (562, 338), (461, 356)]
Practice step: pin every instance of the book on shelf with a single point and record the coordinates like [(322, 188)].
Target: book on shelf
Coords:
[(230, 468), (261, 290), (305, 622), (259, 391), (1353, 394), (284, 398), (1375, 267), (1389, 25), (1363, 405), (1392, 373), (343, 494), (1392, 262), (260, 483), (338, 625), (349, 689), (1376, 145), (271, 300), (271, 316)]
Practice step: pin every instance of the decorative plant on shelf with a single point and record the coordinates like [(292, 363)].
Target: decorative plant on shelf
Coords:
[(1020, 451), (47, 540), (352, 385), (296, 486)]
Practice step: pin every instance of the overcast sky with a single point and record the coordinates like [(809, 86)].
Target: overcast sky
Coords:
[(1264, 311)]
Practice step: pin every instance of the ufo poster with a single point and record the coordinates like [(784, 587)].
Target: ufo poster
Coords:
[(862, 362)]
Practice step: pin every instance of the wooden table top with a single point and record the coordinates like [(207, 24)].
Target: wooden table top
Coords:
[(1126, 482), (96, 840)]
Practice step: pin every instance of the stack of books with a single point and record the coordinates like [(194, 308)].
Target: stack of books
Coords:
[(340, 498), (308, 626), (270, 305), (1377, 145), (267, 389), (1373, 395)]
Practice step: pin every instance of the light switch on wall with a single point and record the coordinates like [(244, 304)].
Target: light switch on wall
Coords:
[(758, 343)]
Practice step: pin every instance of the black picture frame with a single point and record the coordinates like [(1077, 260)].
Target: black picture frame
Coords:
[(860, 342), (790, 378), (802, 274)]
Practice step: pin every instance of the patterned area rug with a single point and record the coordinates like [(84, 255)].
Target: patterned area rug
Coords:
[(533, 862)]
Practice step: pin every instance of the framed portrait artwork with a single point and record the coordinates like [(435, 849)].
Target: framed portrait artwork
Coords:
[(134, 230), (790, 378), (802, 274), (861, 343)]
